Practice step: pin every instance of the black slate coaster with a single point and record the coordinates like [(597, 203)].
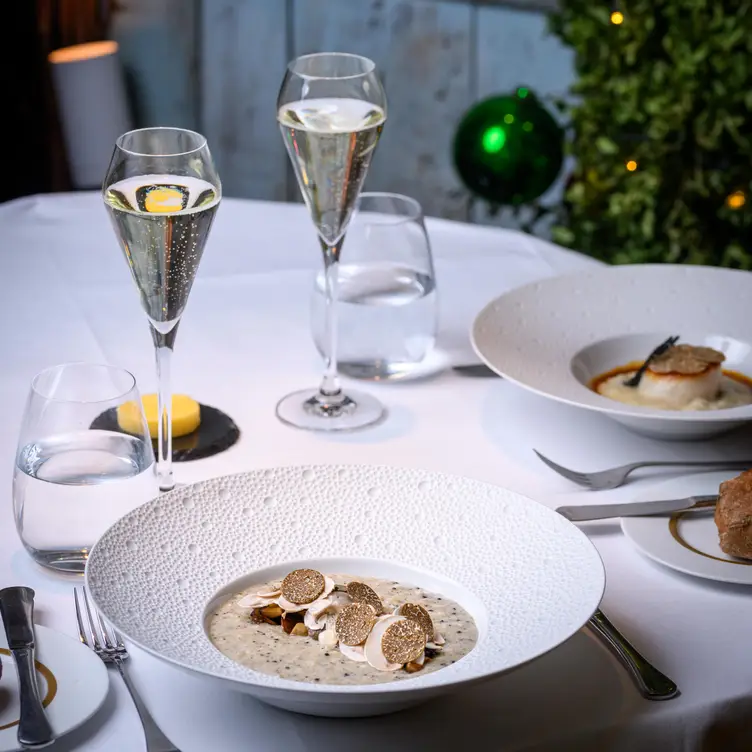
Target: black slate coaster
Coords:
[(216, 433)]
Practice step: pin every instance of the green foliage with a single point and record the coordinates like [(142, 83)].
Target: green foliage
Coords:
[(671, 89)]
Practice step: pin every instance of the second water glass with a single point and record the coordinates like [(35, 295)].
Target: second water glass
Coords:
[(73, 480), (387, 291)]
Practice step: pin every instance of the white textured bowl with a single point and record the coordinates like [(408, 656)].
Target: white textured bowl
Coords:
[(553, 336), (529, 578)]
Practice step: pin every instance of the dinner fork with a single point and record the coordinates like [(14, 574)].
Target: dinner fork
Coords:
[(604, 480), (109, 646)]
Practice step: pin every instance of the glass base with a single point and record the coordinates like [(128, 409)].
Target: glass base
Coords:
[(163, 491), (343, 412), (384, 369), (66, 561)]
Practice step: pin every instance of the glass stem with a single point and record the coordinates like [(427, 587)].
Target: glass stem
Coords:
[(164, 408), (330, 386)]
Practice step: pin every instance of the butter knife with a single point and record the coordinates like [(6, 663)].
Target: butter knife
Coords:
[(585, 512), (17, 611)]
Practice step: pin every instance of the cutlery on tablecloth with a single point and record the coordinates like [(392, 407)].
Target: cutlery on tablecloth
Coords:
[(17, 611), (651, 683), (475, 370), (586, 512), (604, 480), (110, 648)]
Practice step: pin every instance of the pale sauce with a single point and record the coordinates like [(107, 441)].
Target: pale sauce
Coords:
[(736, 390), (266, 648)]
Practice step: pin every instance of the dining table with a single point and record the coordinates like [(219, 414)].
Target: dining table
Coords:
[(244, 342)]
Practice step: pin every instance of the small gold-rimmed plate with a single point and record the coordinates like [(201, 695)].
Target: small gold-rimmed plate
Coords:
[(687, 541), (72, 680)]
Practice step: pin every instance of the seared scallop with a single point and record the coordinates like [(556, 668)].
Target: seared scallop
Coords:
[(682, 374)]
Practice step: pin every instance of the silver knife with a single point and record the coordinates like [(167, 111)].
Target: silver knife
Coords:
[(585, 512), (17, 611)]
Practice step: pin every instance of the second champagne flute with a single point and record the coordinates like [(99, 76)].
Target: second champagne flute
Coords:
[(331, 110), (162, 191)]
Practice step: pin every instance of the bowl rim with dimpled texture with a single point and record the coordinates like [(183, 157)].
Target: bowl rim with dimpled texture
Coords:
[(518, 629), (531, 335)]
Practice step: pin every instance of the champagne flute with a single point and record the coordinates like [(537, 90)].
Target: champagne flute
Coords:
[(162, 192), (331, 109)]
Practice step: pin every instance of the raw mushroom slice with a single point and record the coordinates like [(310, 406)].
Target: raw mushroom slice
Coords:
[(291, 608), (273, 593), (320, 606), (339, 600), (315, 616), (372, 649), (255, 601), (353, 652), (313, 622)]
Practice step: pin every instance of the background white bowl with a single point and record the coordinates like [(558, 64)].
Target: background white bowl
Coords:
[(551, 337), (529, 578)]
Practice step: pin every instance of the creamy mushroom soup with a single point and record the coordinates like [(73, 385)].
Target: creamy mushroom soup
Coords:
[(341, 629)]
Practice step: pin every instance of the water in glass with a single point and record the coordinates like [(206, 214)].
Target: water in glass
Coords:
[(84, 481), (387, 300), (72, 482), (386, 318)]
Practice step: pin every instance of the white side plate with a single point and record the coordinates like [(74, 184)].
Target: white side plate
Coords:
[(689, 544), (72, 680)]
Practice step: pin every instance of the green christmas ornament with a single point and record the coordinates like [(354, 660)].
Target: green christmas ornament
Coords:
[(508, 149)]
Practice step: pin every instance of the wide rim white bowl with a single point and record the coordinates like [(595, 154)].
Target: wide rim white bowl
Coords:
[(529, 578), (545, 336)]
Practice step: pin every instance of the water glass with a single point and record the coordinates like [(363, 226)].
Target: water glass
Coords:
[(387, 300), (72, 481)]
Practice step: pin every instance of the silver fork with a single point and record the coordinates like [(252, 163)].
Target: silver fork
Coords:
[(603, 480), (110, 648)]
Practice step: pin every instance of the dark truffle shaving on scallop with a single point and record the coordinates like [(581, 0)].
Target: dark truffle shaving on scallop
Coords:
[(634, 381)]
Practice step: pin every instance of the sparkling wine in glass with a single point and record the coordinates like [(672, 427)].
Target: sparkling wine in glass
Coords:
[(331, 110), (162, 192)]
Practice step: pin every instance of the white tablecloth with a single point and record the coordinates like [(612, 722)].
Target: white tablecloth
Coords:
[(244, 342)]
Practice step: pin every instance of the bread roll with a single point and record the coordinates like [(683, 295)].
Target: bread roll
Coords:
[(733, 516)]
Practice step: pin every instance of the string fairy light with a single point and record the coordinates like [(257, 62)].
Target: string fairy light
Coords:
[(736, 200)]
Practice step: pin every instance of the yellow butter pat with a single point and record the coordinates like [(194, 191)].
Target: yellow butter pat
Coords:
[(186, 415)]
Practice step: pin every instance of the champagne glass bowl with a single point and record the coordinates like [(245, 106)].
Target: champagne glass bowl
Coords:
[(162, 192), (331, 110)]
